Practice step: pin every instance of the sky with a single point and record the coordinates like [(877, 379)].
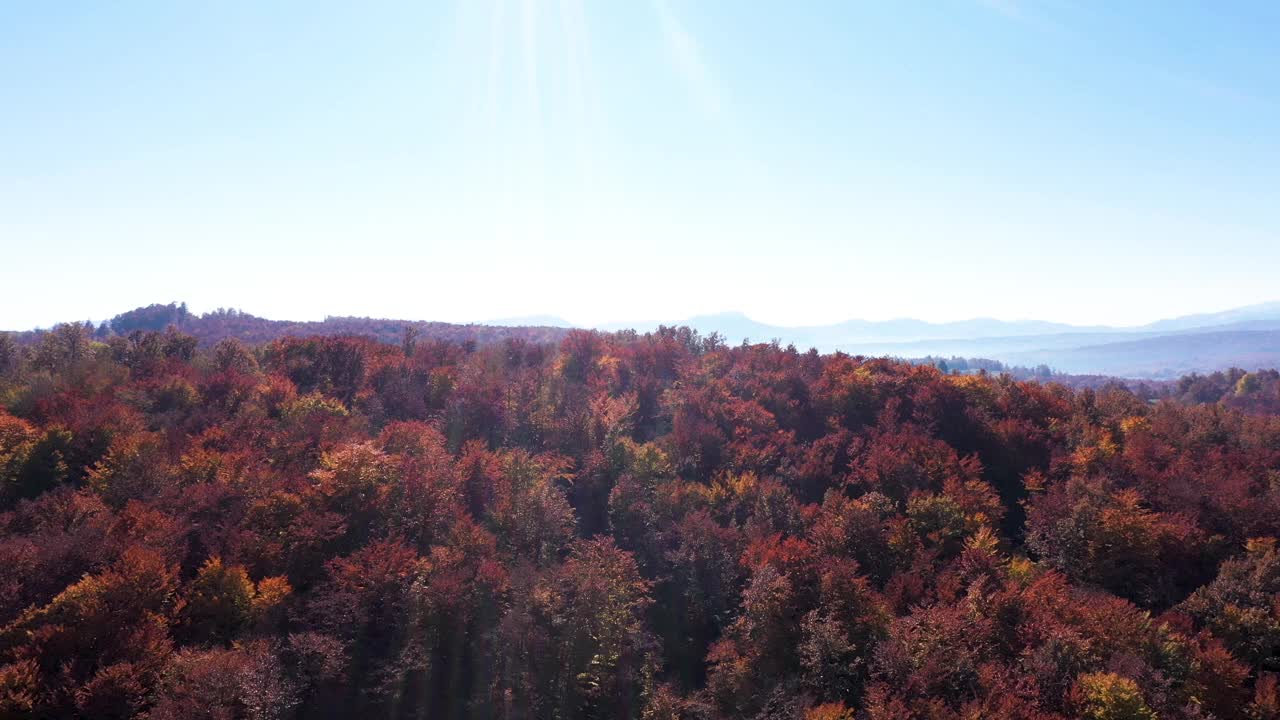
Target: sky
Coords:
[(635, 160)]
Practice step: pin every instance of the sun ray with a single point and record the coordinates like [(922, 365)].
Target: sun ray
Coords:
[(707, 93), (498, 172), (686, 55), (576, 52), (532, 179), (496, 48), (529, 37)]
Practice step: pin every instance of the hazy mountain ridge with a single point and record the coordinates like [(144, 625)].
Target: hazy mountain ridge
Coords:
[(737, 326), (1240, 337), (1166, 356)]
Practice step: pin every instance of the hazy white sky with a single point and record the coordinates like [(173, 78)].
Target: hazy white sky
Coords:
[(801, 162)]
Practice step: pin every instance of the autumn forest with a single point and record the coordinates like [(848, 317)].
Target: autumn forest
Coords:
[(622, 525)]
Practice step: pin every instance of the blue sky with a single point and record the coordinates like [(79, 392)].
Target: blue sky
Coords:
[(649, 159)]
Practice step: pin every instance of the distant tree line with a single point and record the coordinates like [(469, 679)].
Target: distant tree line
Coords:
[(223, 323)]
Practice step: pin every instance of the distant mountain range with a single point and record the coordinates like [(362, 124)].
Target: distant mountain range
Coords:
[(1246, 337)]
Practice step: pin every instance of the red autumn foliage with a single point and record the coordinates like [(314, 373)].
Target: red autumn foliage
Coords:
[(647, 526)]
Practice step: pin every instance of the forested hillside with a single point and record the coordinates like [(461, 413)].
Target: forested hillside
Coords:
[(618, 525)]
